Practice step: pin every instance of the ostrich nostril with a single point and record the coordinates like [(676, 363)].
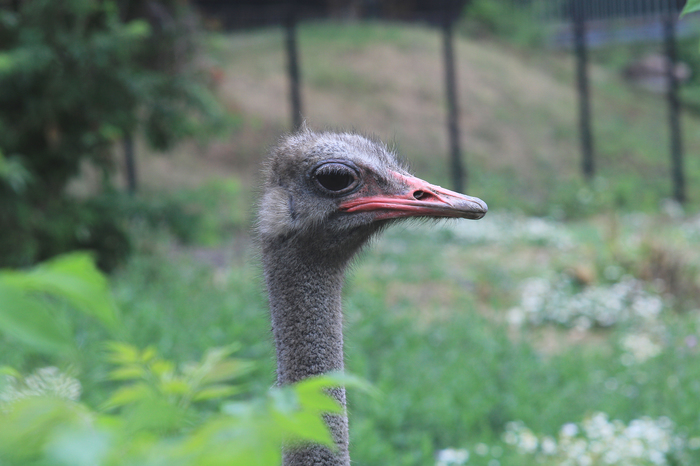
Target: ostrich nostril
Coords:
[(418, 194)]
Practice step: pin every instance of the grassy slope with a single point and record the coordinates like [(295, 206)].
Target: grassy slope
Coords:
[(518, 116), (519, 127)]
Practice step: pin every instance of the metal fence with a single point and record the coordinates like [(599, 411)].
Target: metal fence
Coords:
[(582, 24), (601, 10), (588, 24)]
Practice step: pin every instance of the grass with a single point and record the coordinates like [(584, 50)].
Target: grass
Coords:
[(426, 323)]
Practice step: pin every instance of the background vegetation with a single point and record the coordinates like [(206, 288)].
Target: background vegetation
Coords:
[(75, 79), (564, 338)]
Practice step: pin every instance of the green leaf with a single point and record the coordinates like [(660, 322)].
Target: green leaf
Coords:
[(174, 387), (130, 372), (309, 389), (155, 414), (28, 426), (227, 370), (7, 62), (216, 391), (110, 132), (122, 353), (317, 400), (10, 371), (334, 379), (304, 426), (79, 447), (251, 440), (27, 319), (690, 7), (128, 395), (162, 368), (138, 28), (72, 277), (148, 355)]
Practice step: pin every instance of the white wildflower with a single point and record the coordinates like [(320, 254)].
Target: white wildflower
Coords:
[(47, 381), (549, 446), (558, 301), (568, 430), (528, 442), (597, 440), (481, 449), (450, 456), (508, 228)]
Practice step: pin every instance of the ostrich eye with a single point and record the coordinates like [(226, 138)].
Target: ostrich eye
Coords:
[(335, 181), (336, 178)]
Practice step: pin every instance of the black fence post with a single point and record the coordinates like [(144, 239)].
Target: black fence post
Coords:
[(459, 175), (293, 64), (130, 163), (674, 117), (579, 24)]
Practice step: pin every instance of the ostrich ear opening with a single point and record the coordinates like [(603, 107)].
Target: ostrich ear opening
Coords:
[(275, 217)]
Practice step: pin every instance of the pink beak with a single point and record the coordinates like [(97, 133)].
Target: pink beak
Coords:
[(421, 199)]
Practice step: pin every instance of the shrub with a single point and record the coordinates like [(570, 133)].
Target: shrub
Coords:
[(74, 79), (155, 412)]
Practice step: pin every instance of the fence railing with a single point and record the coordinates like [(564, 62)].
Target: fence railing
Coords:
[(601, 10), (657, 20), (580, 21)]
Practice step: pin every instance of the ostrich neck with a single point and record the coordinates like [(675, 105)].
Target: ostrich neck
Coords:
[(307, 322)]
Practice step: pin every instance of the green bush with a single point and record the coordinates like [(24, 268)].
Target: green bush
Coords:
[(155, 412), (75, 79), (502, 18), (63, 224)]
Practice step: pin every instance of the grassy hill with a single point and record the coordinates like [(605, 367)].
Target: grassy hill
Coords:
[(518, 115)]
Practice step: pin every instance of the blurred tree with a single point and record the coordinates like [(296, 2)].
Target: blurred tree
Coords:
[(75, 77)]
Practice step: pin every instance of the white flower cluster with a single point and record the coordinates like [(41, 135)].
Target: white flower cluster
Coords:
[(47, 381), (452, 456), (598, 441), (458, 456), (509, 228), (639, 347), (557, 301)]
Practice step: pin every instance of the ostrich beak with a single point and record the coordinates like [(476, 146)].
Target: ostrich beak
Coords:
[(419, 199)]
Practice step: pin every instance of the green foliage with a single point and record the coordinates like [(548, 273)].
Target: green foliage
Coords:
[(75, 79), (154, 378), (426, 323), (155, 412), (30, 302), (690, 7), (13, 173), (156, 424), (63, 224), (429, 317), (502, 18), (206, 215)]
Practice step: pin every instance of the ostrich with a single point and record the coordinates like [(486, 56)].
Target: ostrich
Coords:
[(325, 195)]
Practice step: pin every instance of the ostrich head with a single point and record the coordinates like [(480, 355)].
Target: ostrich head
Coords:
[(327, 190)]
